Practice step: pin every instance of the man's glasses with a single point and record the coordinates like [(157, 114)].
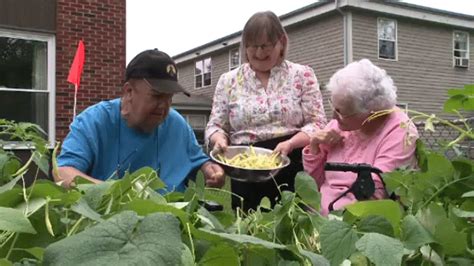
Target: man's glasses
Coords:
[(267, 47), (341, 116)]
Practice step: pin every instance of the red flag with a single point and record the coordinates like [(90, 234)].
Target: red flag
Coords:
[(77, 65)]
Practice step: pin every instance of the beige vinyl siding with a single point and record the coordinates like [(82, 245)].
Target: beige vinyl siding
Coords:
[(424, 69), (319, 44)]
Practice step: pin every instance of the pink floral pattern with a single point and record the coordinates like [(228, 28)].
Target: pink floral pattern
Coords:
[(247, 112)]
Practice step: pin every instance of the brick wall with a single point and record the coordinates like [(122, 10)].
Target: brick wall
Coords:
[(101, 24)]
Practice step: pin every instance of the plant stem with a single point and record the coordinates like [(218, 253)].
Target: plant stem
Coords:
[(443, 188), (12, 245)]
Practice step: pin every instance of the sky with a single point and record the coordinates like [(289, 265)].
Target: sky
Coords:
[(177, 26)]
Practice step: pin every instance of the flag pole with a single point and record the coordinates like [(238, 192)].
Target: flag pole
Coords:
[(75, 101)]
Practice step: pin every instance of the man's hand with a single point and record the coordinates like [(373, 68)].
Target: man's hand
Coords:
[(213, 173)]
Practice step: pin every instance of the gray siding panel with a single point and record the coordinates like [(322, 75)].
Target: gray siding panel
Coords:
[(424, 69)]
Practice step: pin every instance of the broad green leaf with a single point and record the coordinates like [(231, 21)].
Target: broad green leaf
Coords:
[(58, 195), (15, 221), (187, 258), (453, 242), (469, 194), (388, 209), (36, 252), (9, 185), (221, 254), (307, 189), (94, 193), (42, 161), (381, 249), (81, 207), (414, 235), (463, 213), (431, 255), (5, 262), (259, 256), (376, 224), (245, 239), (454, 102), (146, 207), (337, 241), (265, 203), (32, 206), (314, 258), (435, 220), (124, 239)]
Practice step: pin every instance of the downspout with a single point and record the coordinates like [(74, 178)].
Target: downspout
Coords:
[(347, 38)]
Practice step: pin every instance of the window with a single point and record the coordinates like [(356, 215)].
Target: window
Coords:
[(460, 49), (387, 37), (196, 121), (27, 78), (234, 58), (202, 73)]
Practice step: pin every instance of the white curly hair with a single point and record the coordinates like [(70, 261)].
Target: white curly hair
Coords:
[(369, 86)]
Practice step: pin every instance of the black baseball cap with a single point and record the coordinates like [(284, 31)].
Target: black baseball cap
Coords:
[(158, 69)]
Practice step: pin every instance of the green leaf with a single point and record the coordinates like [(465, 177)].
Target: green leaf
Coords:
[(32, 206), (376, 224), (221, 254), (15, 221), (5, 262), (42, 161), (414, 235), (124, 239), (388, 209), (463, 213), (337, 241), (381, 249), (36, 252), (146, 207), (429, 124), (187, 258), (243, 239), (307, 189), (435, 220), (455, 102), (453, 242), (315, 259), (81, 207), (469, 194), (9, 185)]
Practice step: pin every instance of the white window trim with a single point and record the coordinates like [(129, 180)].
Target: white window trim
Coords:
[(467, 46), (51, 80), (202, 74), (230, 58), (396, 39)]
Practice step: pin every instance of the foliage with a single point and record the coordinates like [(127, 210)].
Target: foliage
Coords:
[(127, 222)]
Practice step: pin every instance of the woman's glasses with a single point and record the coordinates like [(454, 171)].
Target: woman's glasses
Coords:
[(335, 111), (267, 47)]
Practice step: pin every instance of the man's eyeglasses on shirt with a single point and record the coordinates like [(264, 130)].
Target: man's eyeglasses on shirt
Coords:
[(335, 111)]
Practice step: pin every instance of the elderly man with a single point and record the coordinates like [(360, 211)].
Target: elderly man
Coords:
[(137, 130)]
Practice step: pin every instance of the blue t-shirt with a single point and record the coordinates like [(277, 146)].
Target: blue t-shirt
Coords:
[(101, 145)]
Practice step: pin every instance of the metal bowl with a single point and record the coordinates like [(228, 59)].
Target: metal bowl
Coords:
[(246, 174)]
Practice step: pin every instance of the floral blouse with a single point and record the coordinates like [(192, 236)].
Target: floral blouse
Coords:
[(247, 112)]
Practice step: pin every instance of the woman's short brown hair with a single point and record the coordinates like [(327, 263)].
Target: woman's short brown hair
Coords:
[(263, 23)]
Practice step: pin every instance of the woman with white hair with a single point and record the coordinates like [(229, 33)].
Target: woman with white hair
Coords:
[(357, 91)]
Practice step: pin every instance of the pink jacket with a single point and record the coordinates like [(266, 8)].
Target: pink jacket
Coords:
[(387, 150)]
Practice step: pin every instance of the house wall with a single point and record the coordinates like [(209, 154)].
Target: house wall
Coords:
[(101, 24), (424, 69)]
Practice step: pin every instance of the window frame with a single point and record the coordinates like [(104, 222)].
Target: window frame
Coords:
[(231, 51), (50, 40), (467, 47), (395, 41), (202, 62)]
